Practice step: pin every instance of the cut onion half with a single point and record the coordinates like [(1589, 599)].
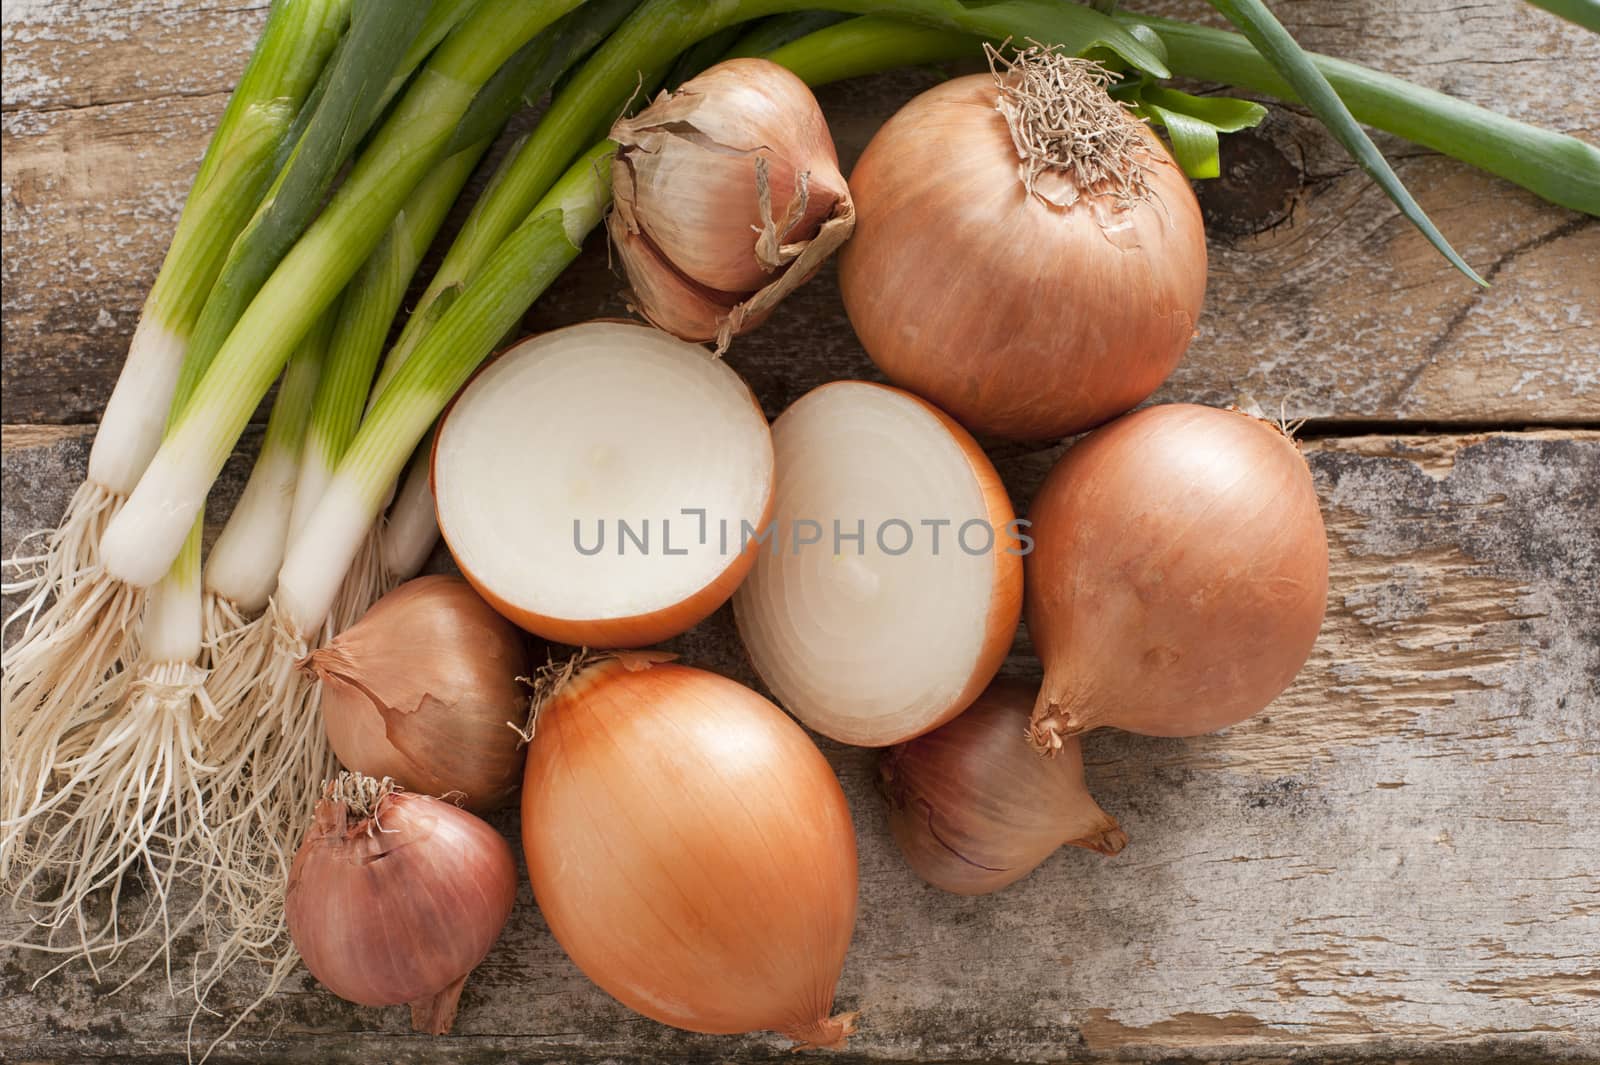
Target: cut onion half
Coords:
[(592, 483), (877, 640)]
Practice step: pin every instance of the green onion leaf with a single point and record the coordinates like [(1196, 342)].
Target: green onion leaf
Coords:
[(1585, 13), (1554, 166), (1267, 34), (349, 102), (1193, 123)]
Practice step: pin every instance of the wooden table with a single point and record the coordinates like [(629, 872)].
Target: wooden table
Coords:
[(1399, 859)]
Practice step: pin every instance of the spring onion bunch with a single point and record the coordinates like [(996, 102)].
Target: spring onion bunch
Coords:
[(65, 667)]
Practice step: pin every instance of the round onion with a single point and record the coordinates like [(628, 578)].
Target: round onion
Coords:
[(422, 689), (975, 809), (876, 640), (1178, 577), (691, 850), (592, 483), (396, 897), (728, 196), (1024, 314)]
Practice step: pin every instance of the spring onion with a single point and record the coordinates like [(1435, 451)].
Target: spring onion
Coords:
[(71, 625), (64, 672), (146, 535)]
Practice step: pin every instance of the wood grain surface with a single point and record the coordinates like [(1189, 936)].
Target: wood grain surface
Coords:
[(1399, 860)]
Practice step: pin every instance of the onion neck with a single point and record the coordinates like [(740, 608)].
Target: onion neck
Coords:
[(1107, 839), (825, 1033), (436, 1014), (1058, 713)]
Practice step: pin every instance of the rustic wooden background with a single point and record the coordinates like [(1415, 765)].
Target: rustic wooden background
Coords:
[(1399, 859)]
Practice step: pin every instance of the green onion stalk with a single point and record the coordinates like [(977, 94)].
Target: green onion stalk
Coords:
[(385, 44), (65, 670), (62, 665), (141, 543), (370, 306), (1553, 166), (298, 291)]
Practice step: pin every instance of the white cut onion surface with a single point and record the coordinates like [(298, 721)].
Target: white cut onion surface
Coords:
[(877, 642), (571, 472)]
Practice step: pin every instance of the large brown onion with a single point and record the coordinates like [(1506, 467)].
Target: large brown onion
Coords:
[(396, 897), (728, 196), (423, 688), (1178, 577), (974, 808), (691, 850), (1026, 315)]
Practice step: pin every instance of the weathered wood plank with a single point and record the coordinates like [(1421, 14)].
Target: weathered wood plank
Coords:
[(1319, 293), (1398, 858)]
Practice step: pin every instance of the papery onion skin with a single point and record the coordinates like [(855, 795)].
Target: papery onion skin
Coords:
[(401, 914), (695, 197), (422, 690), (1179, 574), (691, 850), (704, 259), (1020, 318), (975, 809)]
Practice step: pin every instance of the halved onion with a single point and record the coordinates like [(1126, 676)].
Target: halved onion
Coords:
[(875, 641), (585, 479)]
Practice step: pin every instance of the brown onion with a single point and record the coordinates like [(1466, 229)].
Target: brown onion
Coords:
[(1178, 577), (974, 808), (422, 690), (1027, 302), (395, 897), (691, 850), (728, 196)]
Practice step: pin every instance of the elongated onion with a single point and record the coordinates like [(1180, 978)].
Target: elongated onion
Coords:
[(595, 483), (691, 850), (396, 897), (892, 589), (728, 196), (1027, 255), (1179, 574), (422, 689), (974, 808)]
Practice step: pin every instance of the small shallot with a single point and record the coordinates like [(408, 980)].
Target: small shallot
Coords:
[(396, 897), (423, 688), (974, 808)]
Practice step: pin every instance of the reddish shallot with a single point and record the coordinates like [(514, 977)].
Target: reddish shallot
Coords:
[(396, 897)]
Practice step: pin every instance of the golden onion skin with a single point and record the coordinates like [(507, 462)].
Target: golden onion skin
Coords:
[(1022, 319)]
